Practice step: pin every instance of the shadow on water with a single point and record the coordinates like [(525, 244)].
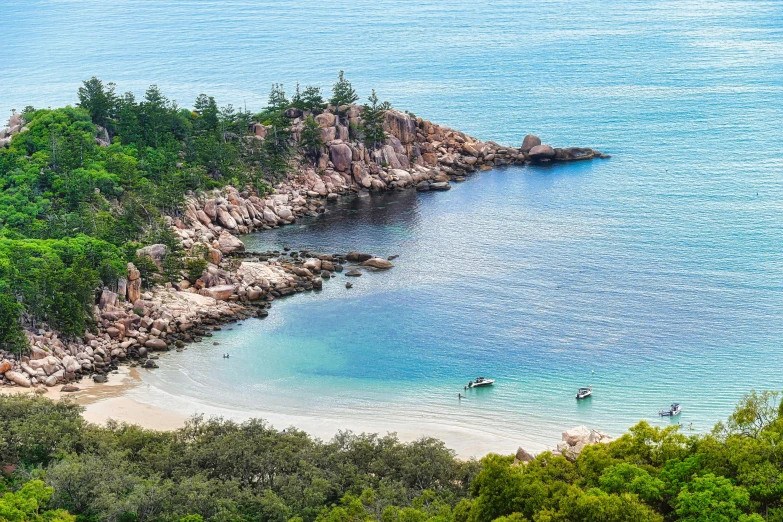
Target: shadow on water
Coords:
[(373, 221)]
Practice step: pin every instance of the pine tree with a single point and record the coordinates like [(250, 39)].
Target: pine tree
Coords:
[(277, 99), (342, 92), (373, 118), (310, 139), (296, 101), (312, 100), (208, 110), (99, 101), (276, 149)]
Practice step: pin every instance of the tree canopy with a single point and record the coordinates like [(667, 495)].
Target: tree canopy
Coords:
[(218, 470)]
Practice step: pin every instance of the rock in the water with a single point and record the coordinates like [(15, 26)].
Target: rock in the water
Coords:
[(69, 388), (377, 262), (99, 378), (541, 152), (325, 274), (149, 363), (529, 142), (423, 186), (353, 273), (574, 154), (156, 344), (356, 256), (440, 185), (349, 285)]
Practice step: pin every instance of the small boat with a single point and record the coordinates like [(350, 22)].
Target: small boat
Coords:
[(674, 410), (583, 393), (481, 381)]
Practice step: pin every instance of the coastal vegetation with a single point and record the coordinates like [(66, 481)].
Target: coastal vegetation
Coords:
[(57, 467), (83, 188)]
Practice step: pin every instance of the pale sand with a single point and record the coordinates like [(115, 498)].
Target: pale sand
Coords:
[(103, 402), (127, 398)]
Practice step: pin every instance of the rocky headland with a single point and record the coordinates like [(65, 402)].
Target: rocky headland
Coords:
[(134, 325)]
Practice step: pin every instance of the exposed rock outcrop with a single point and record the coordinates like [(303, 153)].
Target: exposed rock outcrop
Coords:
[(133, 322), (577, 438)]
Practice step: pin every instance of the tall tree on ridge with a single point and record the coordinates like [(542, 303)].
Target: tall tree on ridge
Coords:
[(373, 118), (343, 92), (99, 101)]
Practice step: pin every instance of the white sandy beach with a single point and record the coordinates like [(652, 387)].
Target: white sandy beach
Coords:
[(128, 398)]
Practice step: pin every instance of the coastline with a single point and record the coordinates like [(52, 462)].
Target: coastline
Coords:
[(125, 398), (133, 325), (137, 401)]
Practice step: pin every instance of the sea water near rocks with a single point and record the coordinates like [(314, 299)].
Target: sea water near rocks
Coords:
[(656, 276)]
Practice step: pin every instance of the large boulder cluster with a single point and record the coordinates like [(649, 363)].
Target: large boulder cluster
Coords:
[(15, 126), (133, 323), (416, 153), (576, 439)]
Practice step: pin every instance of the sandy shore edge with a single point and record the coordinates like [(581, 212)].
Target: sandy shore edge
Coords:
[(122, 399), (109, 401)]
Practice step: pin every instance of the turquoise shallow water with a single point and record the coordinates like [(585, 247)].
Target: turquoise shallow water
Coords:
[(661, 270)]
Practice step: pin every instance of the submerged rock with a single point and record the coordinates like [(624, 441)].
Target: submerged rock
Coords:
[(379, 263), (440, 185), (574, 154)]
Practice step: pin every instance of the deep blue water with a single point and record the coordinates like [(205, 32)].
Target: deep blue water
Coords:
[(661, 270)]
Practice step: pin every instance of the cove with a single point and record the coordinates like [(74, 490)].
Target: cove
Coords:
[(545, 278)]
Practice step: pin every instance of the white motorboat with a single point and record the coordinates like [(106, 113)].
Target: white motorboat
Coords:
[(583, 393), (481, 381), (674, 410)]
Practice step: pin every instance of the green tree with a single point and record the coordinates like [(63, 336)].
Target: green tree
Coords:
[(29, 505), (99, 100), (343, 92), (628, 478), (753, 414), (711, 499), (373, 119), (12, 336), (312, 100), (278, 101), (207, 110), (277, 147), (310, 139)]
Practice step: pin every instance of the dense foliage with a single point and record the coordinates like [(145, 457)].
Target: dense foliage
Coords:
[(82, 188), (219, 470)]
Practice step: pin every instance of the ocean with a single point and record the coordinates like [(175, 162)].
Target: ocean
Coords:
[(655, 276)]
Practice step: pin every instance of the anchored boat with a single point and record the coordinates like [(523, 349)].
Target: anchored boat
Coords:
[(671, 412), (481, 381), (583, 393)]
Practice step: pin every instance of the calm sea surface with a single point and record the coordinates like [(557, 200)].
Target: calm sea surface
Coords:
[(656, 276)]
